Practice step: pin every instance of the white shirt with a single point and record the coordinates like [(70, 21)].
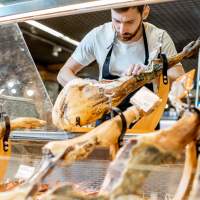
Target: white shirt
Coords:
[(94, 46)]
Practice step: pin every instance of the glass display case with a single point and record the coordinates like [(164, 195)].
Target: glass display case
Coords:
[(23, 88), (27, 97)]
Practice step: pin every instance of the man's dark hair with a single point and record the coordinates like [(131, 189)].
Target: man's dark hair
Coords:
[(121, 10)]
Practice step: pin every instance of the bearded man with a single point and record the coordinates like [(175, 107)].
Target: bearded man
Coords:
[(121, 48)]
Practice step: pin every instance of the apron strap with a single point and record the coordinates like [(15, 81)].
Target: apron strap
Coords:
[(165, 66), (105, 73), (145, 45)]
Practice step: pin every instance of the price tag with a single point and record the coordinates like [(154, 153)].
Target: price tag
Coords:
[(25, 172), (1, 91), (144, 99), (184, 82)]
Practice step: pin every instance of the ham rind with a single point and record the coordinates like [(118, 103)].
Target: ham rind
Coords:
[(22, 123), (82, 99)]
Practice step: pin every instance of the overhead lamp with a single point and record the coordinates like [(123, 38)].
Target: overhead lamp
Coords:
[(14, 91), (30, 92), (10, 84), (55, 53), (56, 50), (52, 32), (190, 95)]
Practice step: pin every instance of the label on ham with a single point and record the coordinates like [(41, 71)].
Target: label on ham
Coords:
[(144, 99), (25, 172), (1, 91)]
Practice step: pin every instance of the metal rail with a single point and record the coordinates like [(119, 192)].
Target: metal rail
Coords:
[(52, 136), (42, 9), (17, 99)]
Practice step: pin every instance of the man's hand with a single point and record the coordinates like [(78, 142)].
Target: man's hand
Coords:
[(134, 69)]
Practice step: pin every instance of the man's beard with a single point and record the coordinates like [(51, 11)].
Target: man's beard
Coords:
[(130, 35)]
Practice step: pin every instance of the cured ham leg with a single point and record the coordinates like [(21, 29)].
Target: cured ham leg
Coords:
[(30, 187), (22, 123), (82, 99), (134, 161), (105, 134), (128, 171)]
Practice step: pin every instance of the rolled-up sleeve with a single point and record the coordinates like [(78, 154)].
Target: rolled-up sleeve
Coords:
[(84, 53)]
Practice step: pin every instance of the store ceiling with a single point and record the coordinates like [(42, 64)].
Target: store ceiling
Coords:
[(181, 19)]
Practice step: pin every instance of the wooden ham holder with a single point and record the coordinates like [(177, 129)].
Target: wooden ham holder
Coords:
[(148, 124), (5, 148), (6, 155)]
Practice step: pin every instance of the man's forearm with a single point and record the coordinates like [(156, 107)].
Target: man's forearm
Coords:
[(173, 74), (172, 78), (65, 75)]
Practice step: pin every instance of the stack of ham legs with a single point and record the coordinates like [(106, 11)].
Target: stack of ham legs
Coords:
[(125, 175)]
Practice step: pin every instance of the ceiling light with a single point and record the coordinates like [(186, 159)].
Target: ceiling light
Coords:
[(74, 42), (45, 28), (52, 32), (166, 106), (55, 53), (10, 84), (190, 95), (57, 48), (13, 91), (30, 92)]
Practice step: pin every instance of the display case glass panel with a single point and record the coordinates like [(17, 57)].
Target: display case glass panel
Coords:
[(24, 89)]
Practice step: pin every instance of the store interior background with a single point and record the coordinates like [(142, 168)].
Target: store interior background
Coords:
[(181, 19)]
